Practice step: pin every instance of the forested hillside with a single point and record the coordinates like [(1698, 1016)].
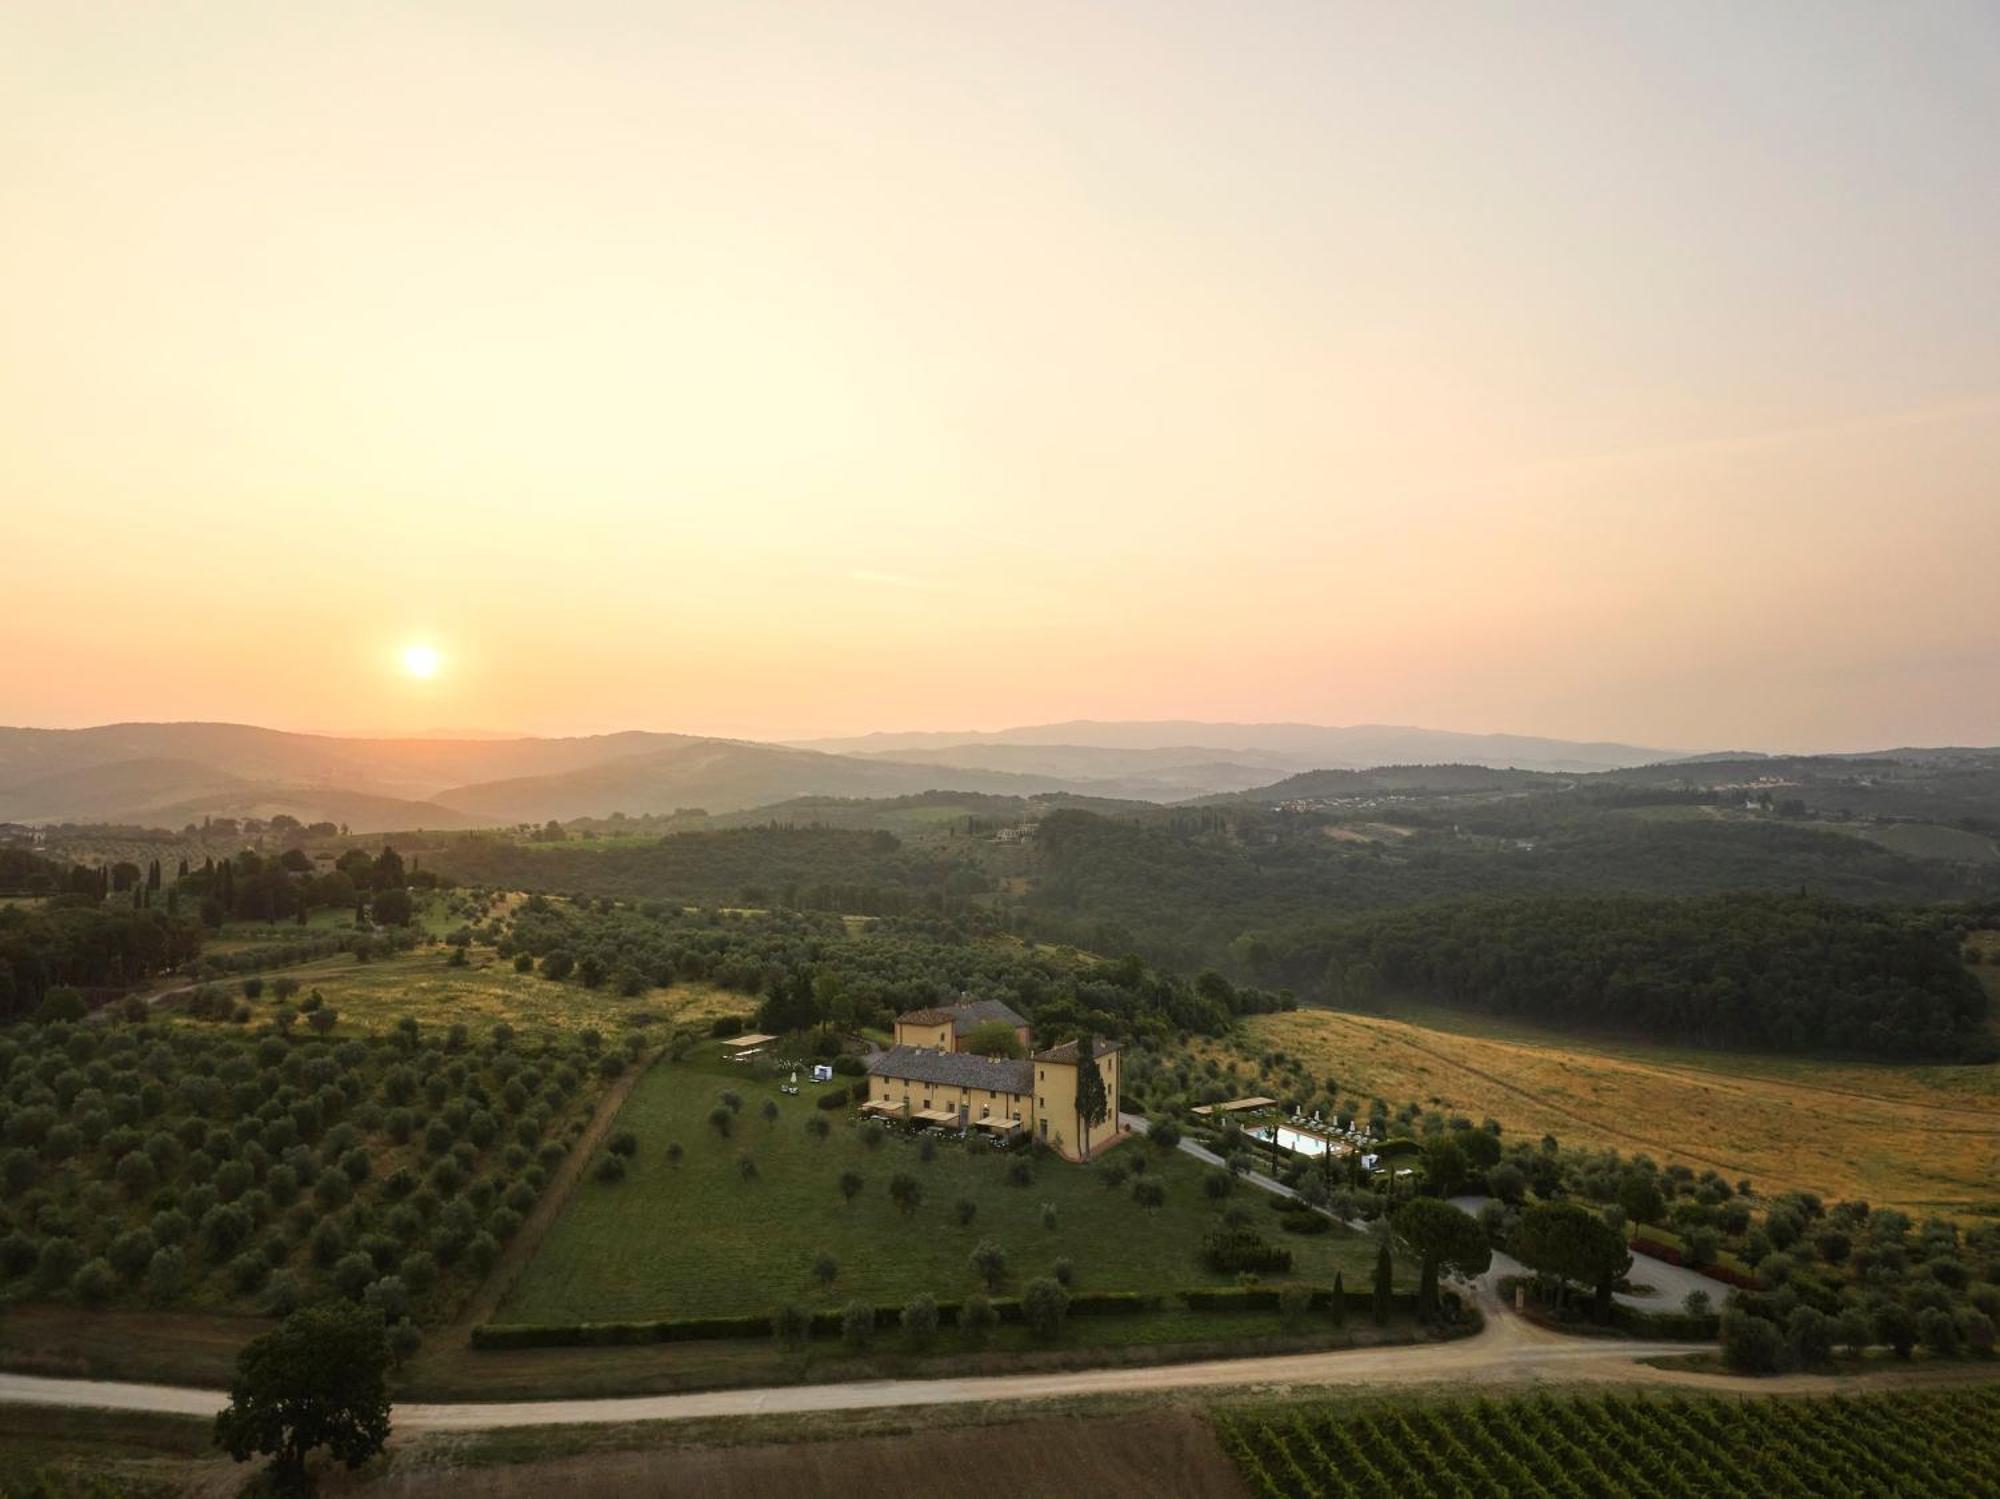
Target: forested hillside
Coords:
[(1196, 887), (814, 868), (1785, 973)]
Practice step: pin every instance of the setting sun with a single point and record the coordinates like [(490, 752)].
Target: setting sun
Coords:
[(421, 661)]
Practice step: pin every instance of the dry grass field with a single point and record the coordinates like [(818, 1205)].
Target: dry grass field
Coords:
[(375, 995), (1922, 1138)]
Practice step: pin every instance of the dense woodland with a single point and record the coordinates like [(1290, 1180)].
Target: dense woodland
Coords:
[(1201, 886), (1787, 973), (803, 868)]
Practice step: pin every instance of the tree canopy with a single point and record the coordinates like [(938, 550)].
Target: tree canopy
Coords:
[(320, 1379)]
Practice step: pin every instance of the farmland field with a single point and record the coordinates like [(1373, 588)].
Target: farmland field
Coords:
[(1931, 1442), (1925, 1137), (626, 1252)]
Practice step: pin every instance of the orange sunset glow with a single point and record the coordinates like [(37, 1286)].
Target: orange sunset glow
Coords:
[(763, 370)]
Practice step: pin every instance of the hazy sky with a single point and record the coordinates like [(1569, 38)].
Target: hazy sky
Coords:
[(1594, 370)]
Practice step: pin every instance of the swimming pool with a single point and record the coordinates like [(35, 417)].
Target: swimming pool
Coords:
[(1296, 1141)]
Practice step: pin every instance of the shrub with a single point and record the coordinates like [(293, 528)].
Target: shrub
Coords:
[(352, 1274), (857, 1324), (1294, 1301), (59, 1259), (989, 1263), (1045, 1305), (131, 1251), (93, 1282), (1751, 1345), (790, 1325), (920, 1320), (1810, 1334), (610, 1168), (1937, 1330), (977, 1318), (419, 1271), (1063, 1270), (834, 1098), (166, 1275), (1232, 1248), (965, 1210), (623, 1142)]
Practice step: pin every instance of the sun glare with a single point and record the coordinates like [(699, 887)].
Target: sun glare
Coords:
[(421, 661)]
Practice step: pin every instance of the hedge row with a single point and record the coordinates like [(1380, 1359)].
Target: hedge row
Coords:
[(824, 1323), (1674, 1326), (832, 1099), (1265, 1298)]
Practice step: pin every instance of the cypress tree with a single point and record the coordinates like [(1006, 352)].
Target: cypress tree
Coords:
[(1339, 1300), (1385, 1270)]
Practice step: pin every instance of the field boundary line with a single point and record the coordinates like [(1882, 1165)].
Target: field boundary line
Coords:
[(485, 1301)]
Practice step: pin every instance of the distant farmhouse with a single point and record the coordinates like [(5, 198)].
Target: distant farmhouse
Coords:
[(928, 1077)]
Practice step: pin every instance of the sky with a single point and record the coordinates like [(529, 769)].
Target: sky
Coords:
[(1594, 370)]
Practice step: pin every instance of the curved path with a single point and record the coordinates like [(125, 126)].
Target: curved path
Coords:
[(1507, 1351)]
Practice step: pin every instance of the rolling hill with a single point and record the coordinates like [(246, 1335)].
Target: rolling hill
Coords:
[(1292, 746)]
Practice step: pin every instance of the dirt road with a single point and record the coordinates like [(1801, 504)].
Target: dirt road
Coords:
[(1508, 1351)]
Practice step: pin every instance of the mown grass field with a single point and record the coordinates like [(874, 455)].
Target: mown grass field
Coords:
[(1926, 1138), (699, 1240)]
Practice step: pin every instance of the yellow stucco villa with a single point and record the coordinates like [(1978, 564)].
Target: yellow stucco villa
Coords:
[(925, 1077)]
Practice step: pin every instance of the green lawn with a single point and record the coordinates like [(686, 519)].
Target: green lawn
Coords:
[(700, 1240)]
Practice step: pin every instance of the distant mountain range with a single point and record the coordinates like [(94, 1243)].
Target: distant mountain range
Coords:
[(1289, 746), (170, 774)]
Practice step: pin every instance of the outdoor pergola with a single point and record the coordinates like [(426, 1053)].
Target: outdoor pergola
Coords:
[(742, 1042), (1235, 1105), (936, 1116)]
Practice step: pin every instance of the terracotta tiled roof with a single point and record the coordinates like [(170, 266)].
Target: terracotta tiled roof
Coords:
[(1066, 1053), (959, 1069), (970, 1014)]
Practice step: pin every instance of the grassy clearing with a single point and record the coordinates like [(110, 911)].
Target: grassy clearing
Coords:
[(699, 1240), (375, 995), (1924, 840), (1918, 1137)]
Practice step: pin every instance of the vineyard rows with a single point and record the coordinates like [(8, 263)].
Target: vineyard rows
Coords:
[(1929, 1443)]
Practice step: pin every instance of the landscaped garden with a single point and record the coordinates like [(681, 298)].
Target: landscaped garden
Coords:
[(738, 1198)]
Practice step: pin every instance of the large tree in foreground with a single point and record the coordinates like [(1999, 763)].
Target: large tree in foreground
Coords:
[(320, 1379), (1442, 1238)]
